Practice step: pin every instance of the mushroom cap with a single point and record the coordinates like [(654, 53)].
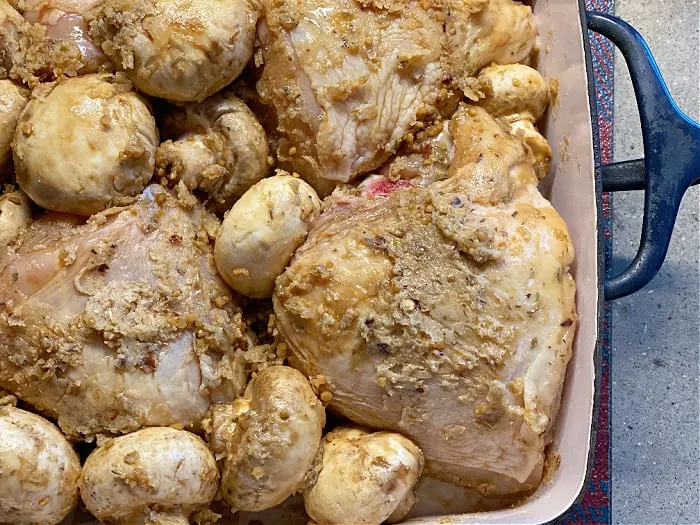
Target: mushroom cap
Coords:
[(15, 213), (365, 478), (157, 468), (277, 436), (85, 143), (181, 50), (13, 98), (261, 232), (513, 89), (39, 470)]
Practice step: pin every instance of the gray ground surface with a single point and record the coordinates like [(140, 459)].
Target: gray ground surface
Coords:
[(656, 332)]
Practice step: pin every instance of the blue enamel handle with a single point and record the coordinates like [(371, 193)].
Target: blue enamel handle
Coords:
[(671, 155)]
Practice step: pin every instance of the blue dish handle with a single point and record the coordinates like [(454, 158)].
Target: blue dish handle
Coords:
[(671, 155)]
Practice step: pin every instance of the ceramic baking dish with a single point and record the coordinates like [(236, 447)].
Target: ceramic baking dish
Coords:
[(574, 186)]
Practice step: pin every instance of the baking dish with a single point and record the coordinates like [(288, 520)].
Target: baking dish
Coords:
[(574, 187)]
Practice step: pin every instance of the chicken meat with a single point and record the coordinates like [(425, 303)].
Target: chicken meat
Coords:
[(31, 52), (13, 99), (350, 80), (444, 312), (121, 322), (65, 22)]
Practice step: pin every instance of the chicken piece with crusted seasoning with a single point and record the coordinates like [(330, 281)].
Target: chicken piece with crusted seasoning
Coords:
[(30, 53), (121, 322), (444, 312), (344, 96), (65, 22), (351, 80)]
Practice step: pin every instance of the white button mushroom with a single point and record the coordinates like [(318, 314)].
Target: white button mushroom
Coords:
[(518, 96), (278, 429), (182, 50), (261, 232), (39, 470), (86, 143), (366, 478), (156, 475), (12, 29), (513, 89), (15, 214), (219, 427), (12, 101), (219, 147)]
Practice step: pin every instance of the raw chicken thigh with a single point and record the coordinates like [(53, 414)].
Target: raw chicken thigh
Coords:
[(65, 22), (443, 312), (122, 322), (344, 96), (351, 79), (33, 52)]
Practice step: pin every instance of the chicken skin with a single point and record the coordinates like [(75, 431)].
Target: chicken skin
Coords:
[(444, 312), (122, 322), (65, 22), (30, 53), (350, 80)]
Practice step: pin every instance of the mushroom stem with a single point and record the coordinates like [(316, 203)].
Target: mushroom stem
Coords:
[(217, 146), (188, 160), (402, 509), (170, 518)]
